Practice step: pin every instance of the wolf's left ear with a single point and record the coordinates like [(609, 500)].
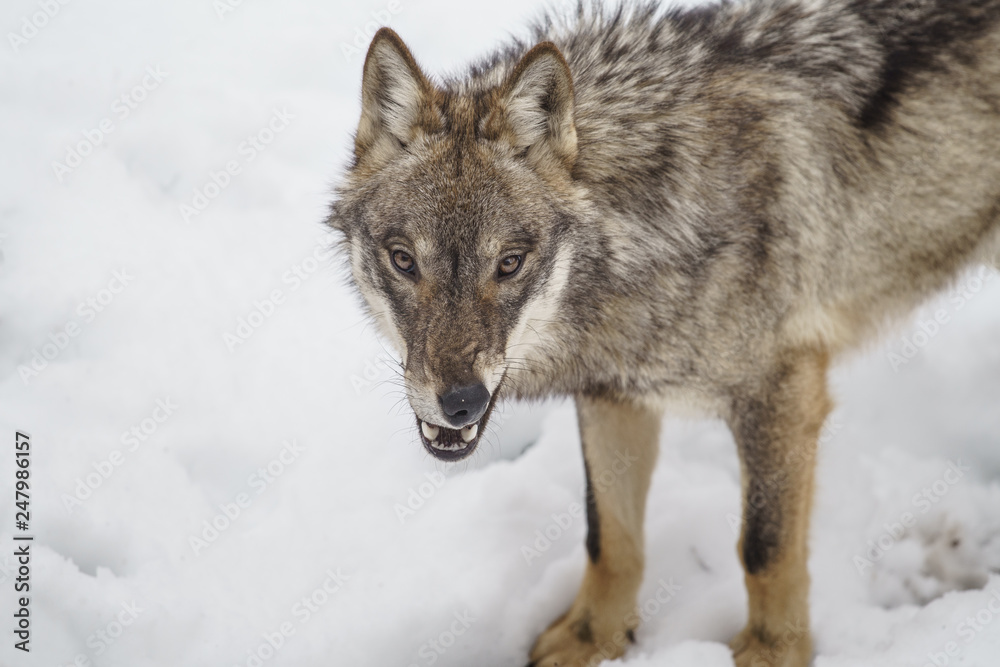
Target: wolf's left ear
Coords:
[(536, 105), (397, 100)]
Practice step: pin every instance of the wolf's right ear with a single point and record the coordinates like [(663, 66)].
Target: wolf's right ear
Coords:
[(397, 100), (536, 106)]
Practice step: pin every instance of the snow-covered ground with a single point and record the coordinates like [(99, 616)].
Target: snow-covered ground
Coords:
[(222, 471)]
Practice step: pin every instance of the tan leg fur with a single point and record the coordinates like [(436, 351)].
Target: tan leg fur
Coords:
[(776, 432), (620, 446)]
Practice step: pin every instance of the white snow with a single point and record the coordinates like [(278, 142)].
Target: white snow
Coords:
[(357, 548)]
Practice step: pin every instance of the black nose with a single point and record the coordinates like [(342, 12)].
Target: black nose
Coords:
[(465, 405)]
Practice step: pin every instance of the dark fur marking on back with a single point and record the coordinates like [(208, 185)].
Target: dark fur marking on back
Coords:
[(916, 46)]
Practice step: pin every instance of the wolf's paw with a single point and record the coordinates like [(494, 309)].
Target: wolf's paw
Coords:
[(575, 641), (791, 649)]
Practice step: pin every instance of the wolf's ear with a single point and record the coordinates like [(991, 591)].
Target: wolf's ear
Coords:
[(397, 100), (536, 105)]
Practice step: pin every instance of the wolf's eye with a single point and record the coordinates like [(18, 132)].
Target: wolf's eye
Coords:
[(403, 261), (509, 266)]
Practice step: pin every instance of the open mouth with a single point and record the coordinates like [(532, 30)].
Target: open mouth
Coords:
[(450, 444)]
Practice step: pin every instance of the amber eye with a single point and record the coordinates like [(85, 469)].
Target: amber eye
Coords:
[(403, 261), (509, 266)]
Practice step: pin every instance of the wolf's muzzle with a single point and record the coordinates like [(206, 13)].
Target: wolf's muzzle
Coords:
[(470, 410)]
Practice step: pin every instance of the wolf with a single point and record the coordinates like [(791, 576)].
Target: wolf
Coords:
[(661, 211)]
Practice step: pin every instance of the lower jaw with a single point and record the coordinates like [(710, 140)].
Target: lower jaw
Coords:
[(450, 444), (457, 447)]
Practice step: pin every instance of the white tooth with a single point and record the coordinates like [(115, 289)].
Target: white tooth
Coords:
[(469, 432), (430, 431)]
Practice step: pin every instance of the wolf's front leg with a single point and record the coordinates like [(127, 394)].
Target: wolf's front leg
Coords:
[(619, 446), (776, 426)]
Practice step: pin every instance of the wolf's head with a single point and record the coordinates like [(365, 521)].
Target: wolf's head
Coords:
[(457, 213)]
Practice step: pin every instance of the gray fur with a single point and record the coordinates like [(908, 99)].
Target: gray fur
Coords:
[(732, 194), (703, 199)]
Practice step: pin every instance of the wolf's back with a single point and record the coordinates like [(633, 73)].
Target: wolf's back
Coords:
[(916, 36)]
